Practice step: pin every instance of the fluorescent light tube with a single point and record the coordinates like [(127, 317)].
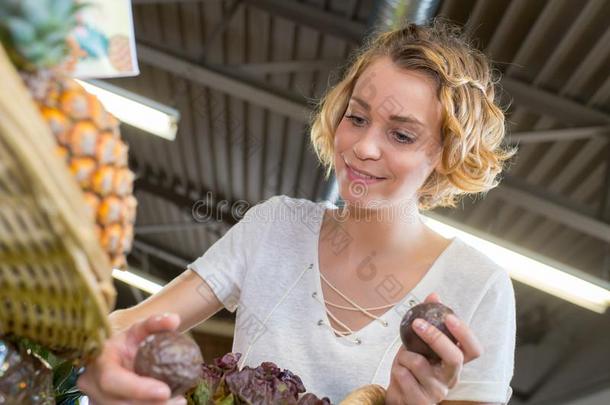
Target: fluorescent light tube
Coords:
[(557, 279), (135, 110), (135, 280)]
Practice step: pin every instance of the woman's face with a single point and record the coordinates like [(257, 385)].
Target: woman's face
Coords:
[(390, 132)]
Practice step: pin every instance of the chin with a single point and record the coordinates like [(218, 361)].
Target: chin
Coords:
[(360, 195)]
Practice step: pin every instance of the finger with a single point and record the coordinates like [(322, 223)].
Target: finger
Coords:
[(408, 386), (155, 323), (448, 351), (120, 382), (177, 401), (469, 343), (431, 386), (433, 297), (94, 397), (173, 401)]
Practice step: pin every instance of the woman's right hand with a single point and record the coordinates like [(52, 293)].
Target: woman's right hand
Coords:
[(110, 379)]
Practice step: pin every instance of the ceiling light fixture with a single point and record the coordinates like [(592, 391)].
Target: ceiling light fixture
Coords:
[(136, 280), (135, 110), (554, 278)]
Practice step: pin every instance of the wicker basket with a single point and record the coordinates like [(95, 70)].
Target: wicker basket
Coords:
[(55, 280)]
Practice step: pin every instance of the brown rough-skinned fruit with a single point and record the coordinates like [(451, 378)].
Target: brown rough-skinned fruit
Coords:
[(172, 358), (432, 312)]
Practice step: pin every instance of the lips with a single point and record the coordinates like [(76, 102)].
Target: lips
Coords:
[(355, 175), (364, 175)]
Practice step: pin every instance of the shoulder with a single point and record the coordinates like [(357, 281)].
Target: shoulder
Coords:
[(278, 202), (473, 278), (286, 212), (474, 263)]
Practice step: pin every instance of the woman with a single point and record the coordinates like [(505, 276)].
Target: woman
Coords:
[(321, 290)]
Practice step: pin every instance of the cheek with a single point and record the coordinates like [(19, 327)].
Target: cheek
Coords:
[(342, 136), (413, 169)]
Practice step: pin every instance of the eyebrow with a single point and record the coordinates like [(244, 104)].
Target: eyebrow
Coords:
[(399, 118)]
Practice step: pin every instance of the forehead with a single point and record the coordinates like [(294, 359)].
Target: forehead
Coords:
[(393, 90)]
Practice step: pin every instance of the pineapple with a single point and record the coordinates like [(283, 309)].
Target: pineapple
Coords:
[(35, 35)]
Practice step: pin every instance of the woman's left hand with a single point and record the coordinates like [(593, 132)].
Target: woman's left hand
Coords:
[(415, 381)]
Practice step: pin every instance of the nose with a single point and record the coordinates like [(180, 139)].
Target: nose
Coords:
[(368, 146)]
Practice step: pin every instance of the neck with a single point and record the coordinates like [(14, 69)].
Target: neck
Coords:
[(393, 228)]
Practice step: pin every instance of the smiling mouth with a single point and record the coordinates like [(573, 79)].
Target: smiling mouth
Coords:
[(362, 175)]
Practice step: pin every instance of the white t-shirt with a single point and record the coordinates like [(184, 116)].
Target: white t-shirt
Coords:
[(266, 268)]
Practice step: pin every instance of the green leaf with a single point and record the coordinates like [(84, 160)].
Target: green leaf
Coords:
[(68, 398), (62, 9), (54, 56), (36, 12), (9, 8), (56, 38), (33, 52), (201, 395), (21, 31), (228, 400), (62, 373)]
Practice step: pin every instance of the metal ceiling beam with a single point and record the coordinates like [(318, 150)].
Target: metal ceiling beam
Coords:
[(532, 199), (313, 17), (161, 253), (229, 82), (162, 228), (188, 198), (310, 16), (546, 103), (559, 135), (605, 213), (137, 2), (287, 66)]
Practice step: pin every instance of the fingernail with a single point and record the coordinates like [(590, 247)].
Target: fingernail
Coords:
[(420, 325), (159, 318), (452, 321), (177, 401), (160, 391)]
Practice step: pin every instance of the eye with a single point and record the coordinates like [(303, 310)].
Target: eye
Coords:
[(357, 121), (403, 138)]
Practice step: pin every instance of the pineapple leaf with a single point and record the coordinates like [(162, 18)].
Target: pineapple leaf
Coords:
[(32, 52), (36, 11), (20, 31), (54, 55), (56, 38), (9, 8), (63, 9)]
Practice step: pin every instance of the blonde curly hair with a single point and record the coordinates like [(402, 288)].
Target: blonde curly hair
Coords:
[(472, 127)]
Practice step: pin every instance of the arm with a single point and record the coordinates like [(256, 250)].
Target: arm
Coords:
[(468, 403), (188, 295), (109, 377)]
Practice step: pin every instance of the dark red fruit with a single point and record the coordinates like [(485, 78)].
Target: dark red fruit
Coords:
[(172, 358), (434, 314)]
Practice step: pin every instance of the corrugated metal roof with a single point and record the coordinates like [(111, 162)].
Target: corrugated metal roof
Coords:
[(244, 75)]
